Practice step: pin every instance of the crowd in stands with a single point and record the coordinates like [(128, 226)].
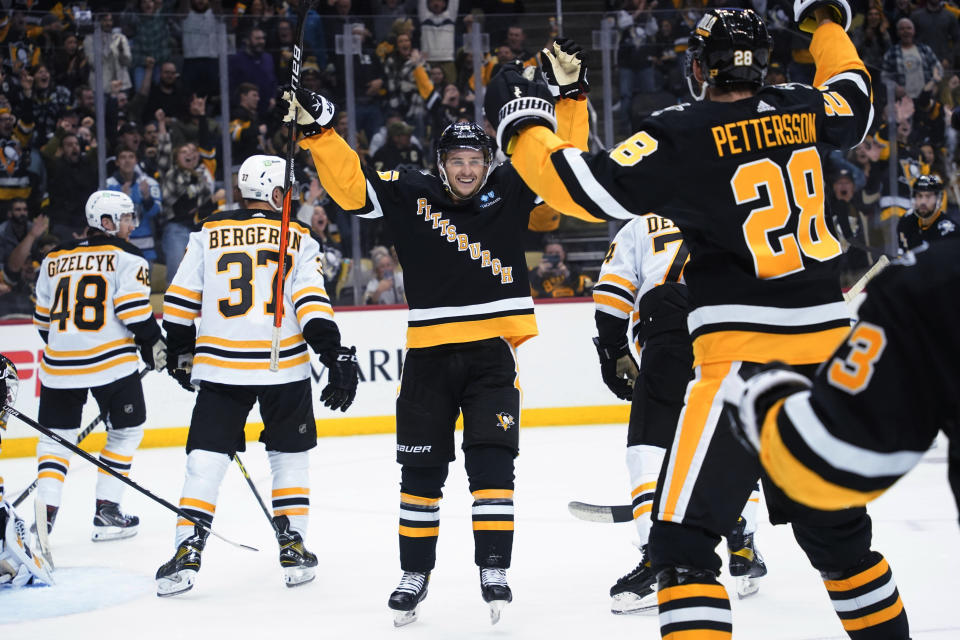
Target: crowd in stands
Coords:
[(413, 75)]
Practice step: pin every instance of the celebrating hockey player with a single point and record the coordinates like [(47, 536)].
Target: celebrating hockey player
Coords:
[(642, 278), (93, 312), (926, 221), (742, 172), (228, 279), (458, 235)]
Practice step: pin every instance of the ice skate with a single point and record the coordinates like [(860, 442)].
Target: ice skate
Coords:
[(496, 592), (179, 573), (47, 513), (299, 565), (109, 523), (746, 563), (635, 592), (406, 598)]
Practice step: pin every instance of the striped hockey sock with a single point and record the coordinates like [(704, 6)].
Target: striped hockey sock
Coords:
[(291, 488), (867, 601), (419, 529), (643, 463), (205, 471), (118, 455), (693, 606), (493, 527), (53, 462)]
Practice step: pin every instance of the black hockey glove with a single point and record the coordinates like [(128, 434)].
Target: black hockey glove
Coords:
[(154, 353), (313, 112), (618, 368), (564, 69), (514, 102), (748, 406), (806, 21), (181, 369), (343, 377)]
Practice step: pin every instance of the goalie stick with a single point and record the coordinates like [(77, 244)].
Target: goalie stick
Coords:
[(601, 513)]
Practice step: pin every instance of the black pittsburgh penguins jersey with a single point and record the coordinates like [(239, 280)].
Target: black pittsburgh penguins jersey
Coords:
[(465, 273), (879, 402), (911, 234), (744, 183)]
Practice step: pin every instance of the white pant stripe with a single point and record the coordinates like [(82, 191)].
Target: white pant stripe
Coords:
[(693, 614)]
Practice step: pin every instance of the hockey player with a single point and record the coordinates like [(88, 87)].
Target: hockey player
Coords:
[(926, 221), (459, 239), (228, 279), (742, 173), (641, 282), (93, 312), (869, 415)]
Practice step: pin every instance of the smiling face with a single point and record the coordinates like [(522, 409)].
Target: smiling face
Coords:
[(187, 156), (465, 171)]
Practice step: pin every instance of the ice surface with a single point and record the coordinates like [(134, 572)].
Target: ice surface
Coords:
[(562, 568)]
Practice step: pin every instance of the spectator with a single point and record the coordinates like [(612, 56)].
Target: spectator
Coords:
[(438, 20), (19, 180), (17, 237), (199, 129), (386, 13), (872, 40), (48, 102), (168, 94), (937, 28), (188, 197), (246, 132), (517, 41), (253, 65), (86, 105), (553, 278), (637, 26), (116, 56), (128, 137), (399, 152), (20, 299), (280, 42), (844, 200), (387, 286), (201, 73), (900, 9), (369, 82), (152, 40), (70, 66), (315, 216), (401, 86), (911, 65), (71, 176), (145, 193), (150, 151), (380, 137)]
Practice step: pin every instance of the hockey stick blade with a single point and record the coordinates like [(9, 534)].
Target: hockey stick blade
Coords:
[(600, 513), (108, 470)]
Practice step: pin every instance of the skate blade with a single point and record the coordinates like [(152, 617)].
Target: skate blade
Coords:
[(496, 606), (179, 583), (103, 534), (297, 576), (630, 603), (403, 618), (746, 587)]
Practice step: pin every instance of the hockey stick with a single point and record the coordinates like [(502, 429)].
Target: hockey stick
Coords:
[(127, 481), (80, 438), (861, 284), (256, 493), (288, 181), (600, 513)]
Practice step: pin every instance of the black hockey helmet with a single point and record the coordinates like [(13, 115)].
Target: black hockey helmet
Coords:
[(464, 135), (930, 183), (732, 47)]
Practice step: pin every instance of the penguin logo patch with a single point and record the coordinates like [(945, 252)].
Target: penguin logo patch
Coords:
[(128, 408), (303, 427), (505, 420)]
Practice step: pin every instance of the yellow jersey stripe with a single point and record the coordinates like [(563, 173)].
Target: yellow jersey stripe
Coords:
[(184, 293), (53, 353), (264, 364), (112, 362)]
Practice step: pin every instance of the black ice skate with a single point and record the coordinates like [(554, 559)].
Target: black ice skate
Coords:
[(406, 598), (746, 563), (179, 573), (635, 592), (110, 524), (299, 565), (495, 590)]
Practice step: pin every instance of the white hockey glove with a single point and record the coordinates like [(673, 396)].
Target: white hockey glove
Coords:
[(756, 396), (181, 370), (564, 69), (806, 21), (313, 112)]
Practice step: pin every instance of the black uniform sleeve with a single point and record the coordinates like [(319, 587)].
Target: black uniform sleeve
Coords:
[(845, 85)]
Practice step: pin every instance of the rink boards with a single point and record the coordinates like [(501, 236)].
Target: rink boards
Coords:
[(559, 376)]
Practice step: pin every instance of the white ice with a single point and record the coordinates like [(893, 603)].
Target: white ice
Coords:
[(562, 568)]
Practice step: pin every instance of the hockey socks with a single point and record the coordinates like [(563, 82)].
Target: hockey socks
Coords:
[(867, 601), (291, 488), (493, 527), (118, 455), (53, 462), (693, 606), (205, 471), (643, 463), (419, 528)]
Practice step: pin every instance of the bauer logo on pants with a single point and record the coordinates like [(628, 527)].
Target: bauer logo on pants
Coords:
[(505, 420)]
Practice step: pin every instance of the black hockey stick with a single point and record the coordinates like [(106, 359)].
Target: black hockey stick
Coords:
[(256, 494), (600, 513), (80, 438), (127, 481)]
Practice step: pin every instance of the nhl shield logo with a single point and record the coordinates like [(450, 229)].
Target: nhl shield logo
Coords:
[(505, 420)]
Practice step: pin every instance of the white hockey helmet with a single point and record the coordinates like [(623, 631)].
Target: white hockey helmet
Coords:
[(259, 176), (110, 204)]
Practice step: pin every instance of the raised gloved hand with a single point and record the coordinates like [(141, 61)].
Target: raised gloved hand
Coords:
[(751, 402), (564, 69), (803, 13), (341, 389), (181, 370), (513, 102), (313, 112), (154, 353), (618, 368)]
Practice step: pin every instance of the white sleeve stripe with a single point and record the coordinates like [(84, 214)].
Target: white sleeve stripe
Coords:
[(375, 201), (589, 184), (852, 77)]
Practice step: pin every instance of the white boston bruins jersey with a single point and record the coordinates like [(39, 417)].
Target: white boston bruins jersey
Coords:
[(227, 279), (88, 293), (647, 252)]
